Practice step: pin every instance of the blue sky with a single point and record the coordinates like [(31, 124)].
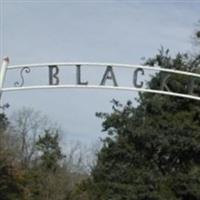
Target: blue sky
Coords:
[(89, 31)]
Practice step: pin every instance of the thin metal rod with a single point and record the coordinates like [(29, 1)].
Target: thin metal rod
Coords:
[(73, 64), (100, 87), (3, 74)]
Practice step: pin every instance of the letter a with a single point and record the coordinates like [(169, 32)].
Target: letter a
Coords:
[(53, 76), (109, 74)]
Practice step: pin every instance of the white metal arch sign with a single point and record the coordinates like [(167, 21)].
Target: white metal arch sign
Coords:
[(108, 76)]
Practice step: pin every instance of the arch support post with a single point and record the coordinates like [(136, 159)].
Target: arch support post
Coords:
[(3, 69)]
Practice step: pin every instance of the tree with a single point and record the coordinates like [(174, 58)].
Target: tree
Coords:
[(11, 177), (28, 124), (152, 151), (42, 163), (50, 172), (3, 127), (48, 145), (11, 180)]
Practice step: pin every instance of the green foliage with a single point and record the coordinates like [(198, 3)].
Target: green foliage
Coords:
[(11, 181), (152, 151), (11, 177), (47, 175), (48, 145), (198, 34), (3, 122)]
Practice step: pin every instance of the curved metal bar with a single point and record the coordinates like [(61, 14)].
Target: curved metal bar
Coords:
[(26, 70), (101, 87), (106, 64)]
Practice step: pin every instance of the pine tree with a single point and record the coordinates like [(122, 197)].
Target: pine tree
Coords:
[(48, 145), (152, 151)]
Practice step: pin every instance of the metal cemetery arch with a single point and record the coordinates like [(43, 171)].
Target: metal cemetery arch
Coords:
[(108, 74)]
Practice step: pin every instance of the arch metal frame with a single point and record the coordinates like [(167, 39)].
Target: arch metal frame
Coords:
[(5, 66)]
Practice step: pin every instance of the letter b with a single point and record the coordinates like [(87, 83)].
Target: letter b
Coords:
[(53, 75)]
